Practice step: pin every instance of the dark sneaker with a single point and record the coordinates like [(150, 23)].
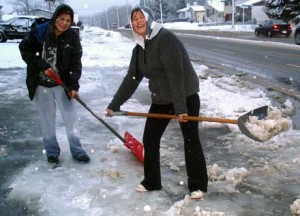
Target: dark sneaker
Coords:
[(52, 159), (83, 158)]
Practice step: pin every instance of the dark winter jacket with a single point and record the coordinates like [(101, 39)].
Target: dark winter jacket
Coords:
[(165, 62), (69, 53)]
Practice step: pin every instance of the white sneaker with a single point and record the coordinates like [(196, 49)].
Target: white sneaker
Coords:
[(197, 194), (141, 188)]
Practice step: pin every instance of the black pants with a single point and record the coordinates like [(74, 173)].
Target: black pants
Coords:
[(194, 157)]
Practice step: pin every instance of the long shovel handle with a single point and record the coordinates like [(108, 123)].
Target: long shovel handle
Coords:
[(60, 82), (167, 116)]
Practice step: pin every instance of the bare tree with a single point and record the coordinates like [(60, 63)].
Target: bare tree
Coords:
[(25, 6)]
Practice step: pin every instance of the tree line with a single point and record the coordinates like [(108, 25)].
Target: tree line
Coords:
[(288, 10)]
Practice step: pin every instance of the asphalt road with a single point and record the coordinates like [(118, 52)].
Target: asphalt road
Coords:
[(272, 61), (240, 35)]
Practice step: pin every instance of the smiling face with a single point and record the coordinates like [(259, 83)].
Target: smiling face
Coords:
[(139, 23), (62, 23)]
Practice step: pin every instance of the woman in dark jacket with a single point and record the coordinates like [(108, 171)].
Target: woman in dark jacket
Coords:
[(174, 86), (54, 46)]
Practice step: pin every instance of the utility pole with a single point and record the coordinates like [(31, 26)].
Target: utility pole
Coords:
[(107, 23), (118, 16), (232, 13), (127, 14), (161, 12)]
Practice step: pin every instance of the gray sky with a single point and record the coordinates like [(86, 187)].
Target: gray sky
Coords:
[(83, 7)]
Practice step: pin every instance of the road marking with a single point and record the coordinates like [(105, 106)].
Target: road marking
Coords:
[(292, 65), (233, 53)]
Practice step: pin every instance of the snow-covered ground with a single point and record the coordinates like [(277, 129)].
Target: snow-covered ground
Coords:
[(245, 177)]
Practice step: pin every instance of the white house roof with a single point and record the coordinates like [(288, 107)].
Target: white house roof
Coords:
[(194, 7), (197, 8), (217, 5), (183, 10), (248, 3)]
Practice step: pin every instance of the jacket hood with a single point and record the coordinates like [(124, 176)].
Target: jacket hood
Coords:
[(63, 8), (152, 26)]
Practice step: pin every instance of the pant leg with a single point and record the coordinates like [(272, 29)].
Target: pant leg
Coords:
[(68, 113), (194, 156), (154, 129), (44, 101)]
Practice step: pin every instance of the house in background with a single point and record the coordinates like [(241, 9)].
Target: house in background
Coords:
[(212, 12), (220, 11), (194, 12), (184, 12), (198, 13), (215, 11), (254, 8)]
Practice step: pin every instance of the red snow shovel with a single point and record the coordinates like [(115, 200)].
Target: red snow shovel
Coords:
[(129, 141), (260, 113)]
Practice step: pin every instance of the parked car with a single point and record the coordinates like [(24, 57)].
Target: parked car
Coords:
[(297, 35), (273, 27), (16, 27), (127, 26)]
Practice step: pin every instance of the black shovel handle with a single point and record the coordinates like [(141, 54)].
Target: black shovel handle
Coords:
[(60, 82)]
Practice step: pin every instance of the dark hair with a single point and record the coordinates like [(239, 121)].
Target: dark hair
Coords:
[(65, 11), (143, 8)]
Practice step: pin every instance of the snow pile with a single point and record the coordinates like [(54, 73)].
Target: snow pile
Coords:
[(199, 212), (103, 56), (179, 207), (233, 176), (269, 127), (295, 208)]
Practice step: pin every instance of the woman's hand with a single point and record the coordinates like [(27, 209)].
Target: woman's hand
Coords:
[(73, 94), (180, 118), (108, 112), (46, 71)]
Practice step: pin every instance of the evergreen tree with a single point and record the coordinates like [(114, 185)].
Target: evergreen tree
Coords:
[(180, 4), (282, 9), (291, 10), (155, 6)]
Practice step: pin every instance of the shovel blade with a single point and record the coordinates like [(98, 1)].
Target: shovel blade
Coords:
[(261, 113), (135, 146)]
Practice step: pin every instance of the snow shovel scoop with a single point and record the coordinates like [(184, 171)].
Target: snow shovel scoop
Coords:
[(243, 121), (129, 141)]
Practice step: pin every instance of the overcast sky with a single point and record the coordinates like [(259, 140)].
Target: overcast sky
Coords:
[(83, 7)]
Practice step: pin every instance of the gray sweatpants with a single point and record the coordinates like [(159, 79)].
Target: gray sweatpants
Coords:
[(45, 100)]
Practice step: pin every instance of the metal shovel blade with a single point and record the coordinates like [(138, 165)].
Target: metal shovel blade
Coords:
[(135, 146), (261, 113)]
